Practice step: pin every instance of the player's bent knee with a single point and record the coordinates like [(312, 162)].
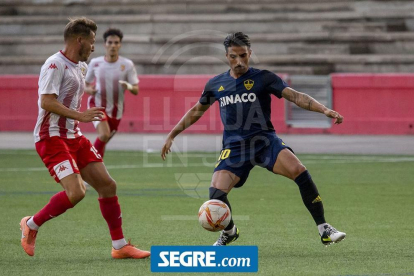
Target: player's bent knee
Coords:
[(112, 186), (108, 189), (215, 193), (104, 137), (220, 186), (74, 188), (297, 170), (224, 180), (75, 196)]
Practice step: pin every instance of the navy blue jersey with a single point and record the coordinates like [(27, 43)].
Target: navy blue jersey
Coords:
[(244, 102)]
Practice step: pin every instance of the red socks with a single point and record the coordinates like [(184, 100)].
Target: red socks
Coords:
[(100, 146), (57, 205), (111, 211)]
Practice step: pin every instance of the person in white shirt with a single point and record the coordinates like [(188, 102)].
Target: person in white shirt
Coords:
[(106, 81), (69, 156)]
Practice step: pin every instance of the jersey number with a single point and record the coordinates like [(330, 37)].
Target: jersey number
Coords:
[(223, 155)]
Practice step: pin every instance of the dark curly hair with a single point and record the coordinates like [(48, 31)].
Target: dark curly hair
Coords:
[(236, 39), (112, 31)]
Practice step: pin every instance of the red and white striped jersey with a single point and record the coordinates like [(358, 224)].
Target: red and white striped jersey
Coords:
[(65, 78), (110, 92)]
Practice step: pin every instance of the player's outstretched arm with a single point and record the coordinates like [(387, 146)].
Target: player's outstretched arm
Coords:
[(186, 121), (49, 103), (307, 102)]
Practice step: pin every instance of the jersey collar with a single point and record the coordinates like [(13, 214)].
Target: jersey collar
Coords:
[(111, 62), (230, 76), (67, 57)]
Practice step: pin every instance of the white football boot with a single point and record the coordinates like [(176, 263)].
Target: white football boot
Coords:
[(331, 235)]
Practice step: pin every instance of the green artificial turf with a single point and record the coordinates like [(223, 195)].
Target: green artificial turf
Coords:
[(371, 198)]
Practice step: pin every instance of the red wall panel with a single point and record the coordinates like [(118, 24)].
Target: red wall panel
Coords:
[(374, 104), (18, 102), (371, 104)]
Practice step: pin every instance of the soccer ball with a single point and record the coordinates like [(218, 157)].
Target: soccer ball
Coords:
[(214, 215)]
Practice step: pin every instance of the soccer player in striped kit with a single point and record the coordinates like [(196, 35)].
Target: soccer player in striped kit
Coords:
[(68, 155), (113, 74)]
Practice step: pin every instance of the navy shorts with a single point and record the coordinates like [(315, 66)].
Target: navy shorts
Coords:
[(239, 158)]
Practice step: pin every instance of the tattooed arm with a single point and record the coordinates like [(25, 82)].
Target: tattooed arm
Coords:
[(307, 102)]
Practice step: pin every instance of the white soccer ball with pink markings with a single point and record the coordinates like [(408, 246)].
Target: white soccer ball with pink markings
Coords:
[(214, 215)]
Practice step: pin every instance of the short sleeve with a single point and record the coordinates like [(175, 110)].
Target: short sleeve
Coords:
[(274, 84), (51, 76), (207, 97), (90, 74), (132, 75)]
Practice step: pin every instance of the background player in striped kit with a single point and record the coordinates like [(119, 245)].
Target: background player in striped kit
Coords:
[(113, 74)]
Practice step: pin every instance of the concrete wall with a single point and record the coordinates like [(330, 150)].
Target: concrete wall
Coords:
[(297, 37)]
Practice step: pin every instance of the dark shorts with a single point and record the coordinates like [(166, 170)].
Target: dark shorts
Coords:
[(240, 158)]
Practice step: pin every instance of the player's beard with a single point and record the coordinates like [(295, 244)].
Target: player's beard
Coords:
[(84, 53), (240, 70)]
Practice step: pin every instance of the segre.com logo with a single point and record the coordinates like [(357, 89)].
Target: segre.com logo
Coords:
[(204, 258)]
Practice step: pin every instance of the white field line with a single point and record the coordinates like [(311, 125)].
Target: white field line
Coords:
[(316, 160), (23, 169), (349, 161), (193, 218), (210, 154), (123, 154), (11, 152), (114, 167)]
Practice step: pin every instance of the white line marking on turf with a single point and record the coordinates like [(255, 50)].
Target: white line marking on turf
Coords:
[(349, 161), (192, 218), (174, 154), (359, 158), (181, 165), (114, 167), (157, 165), (210, 154), (22, 169), (8, 152), (125, 154)]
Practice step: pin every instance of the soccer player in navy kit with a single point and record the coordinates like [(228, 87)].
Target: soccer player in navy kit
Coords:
[(249, 138)]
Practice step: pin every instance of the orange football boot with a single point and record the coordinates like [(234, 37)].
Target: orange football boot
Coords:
[(28, 240), (129, 251)]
